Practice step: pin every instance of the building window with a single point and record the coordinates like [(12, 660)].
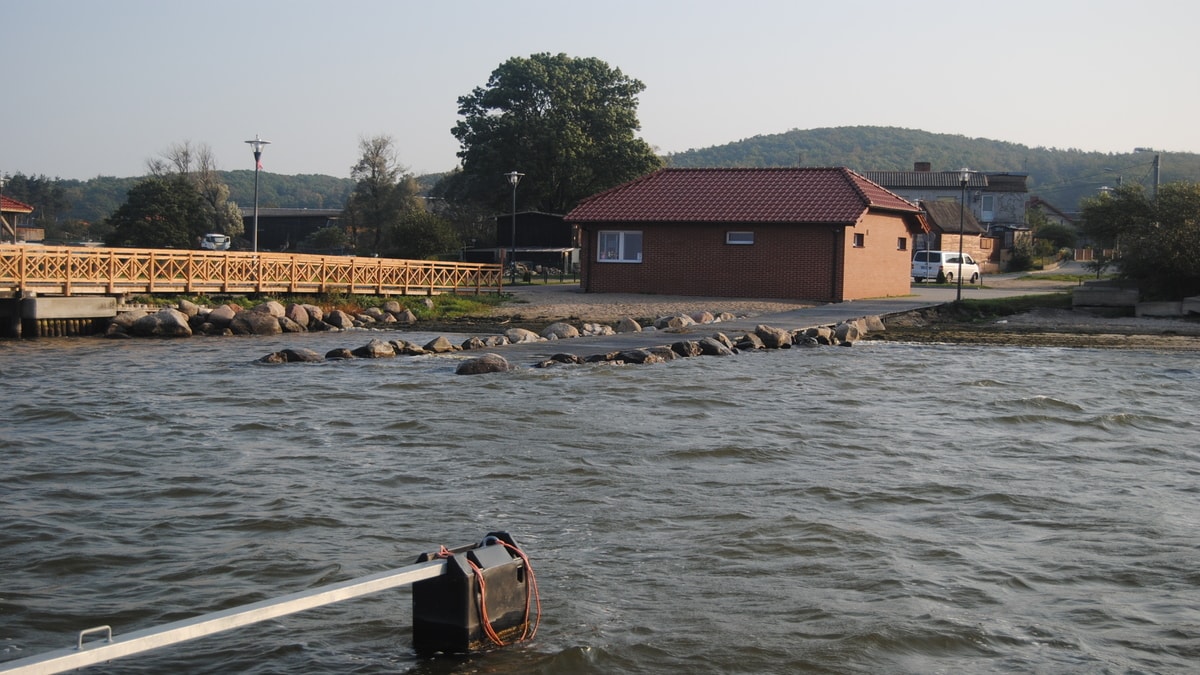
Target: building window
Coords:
[(902, 243), (859, 240), (739, 237), (619, 246), (988, 208)]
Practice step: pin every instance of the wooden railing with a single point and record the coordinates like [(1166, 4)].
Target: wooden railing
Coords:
[(63, 270)]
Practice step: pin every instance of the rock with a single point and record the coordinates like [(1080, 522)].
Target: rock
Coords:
[(520, 335), (167, 322), (188, 308), (339, 319), (314, 313), (597, 329), (440, 345), (558, 359), (339, 353), (272, 307), (473, 342), (375, 349), (293, 356), (487, 363), (713, 347), (805, 341), (376, 313), (676, 322), (124, 320), (628, 325), (428, 303), (392, 307), (406, 348), (255, 323), (822, 334), (639, 356), (874, 323), (404, 316), (702, 317), (222, 316), (725, 316), (773, 338), (750, 341), (289, 326), (664, 353), (364, 319), (559, 331), (723, 339), (297, 314), (686, 348), (846, 333)]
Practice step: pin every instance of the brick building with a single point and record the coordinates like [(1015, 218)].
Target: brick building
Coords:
[(825, 234)]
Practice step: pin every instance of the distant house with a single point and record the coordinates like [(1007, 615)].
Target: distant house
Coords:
[(944, 217), (825, 234), (284, 229), (540, 239), (14, 225), (996, 199)]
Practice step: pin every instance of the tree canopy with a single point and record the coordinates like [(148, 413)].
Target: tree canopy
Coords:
[(567, 123), (160, 212), (1158, 240)]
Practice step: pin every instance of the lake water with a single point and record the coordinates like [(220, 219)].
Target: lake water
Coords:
[(886, 508)]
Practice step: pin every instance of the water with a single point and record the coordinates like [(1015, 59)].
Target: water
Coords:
[(887, 508)]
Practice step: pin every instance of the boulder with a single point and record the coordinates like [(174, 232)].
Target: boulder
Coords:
[(597, 329), (750, 341), (222, 316), (874, 324), (676, 322), (846, 333), (377, 314), (188, 308), (375, 349), (298, 314), (713, 347), (702, 317), (272, 307), (628, 325), (406, 348), (392, 307), (639, 356), (558, 359), (723, 339), (520, 335), (773, 338), (339, 319), (167, 322), (293, 356), (473, 342), (314, 313), (559, 331), (822, 334), (440, 345), (725, 316), (486, 363), (686, 348), (404, 316), (255, 323), (663, 352), (287, 325), (339, 353)]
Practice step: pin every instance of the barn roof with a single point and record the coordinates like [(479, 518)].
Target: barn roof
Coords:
[(774, 195)]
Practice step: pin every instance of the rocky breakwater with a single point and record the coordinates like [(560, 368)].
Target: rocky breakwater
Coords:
[(269, 318), (763, 337)]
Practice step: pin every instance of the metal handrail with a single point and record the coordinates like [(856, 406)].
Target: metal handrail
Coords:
[(98, 651)]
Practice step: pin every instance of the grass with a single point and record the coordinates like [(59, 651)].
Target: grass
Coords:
[(983, 309)]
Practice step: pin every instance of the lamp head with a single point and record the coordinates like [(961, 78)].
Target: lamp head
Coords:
[(514, 178), (964, 175), (257, 144)]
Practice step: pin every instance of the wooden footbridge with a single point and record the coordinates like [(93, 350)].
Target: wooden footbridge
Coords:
[(29, 274)]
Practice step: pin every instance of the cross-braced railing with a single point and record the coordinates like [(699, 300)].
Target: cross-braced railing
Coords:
[(63, 270)]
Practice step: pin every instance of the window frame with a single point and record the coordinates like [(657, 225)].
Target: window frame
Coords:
[(731, 238), (859, 240), (621, 255)]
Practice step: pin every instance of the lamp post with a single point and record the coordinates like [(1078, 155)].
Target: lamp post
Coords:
[(257, 144), (1157, 168), (14, 233), (964, 175), (514, 178)]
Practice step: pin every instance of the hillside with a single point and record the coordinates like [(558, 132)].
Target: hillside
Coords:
[(1062, 177)]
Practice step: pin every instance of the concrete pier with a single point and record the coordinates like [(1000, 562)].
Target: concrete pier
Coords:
[(29, 316)]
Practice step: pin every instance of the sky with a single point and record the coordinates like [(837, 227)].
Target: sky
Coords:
[(98, 87)]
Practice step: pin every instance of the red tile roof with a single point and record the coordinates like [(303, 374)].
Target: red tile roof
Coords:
[(14, 206), (812, 195)]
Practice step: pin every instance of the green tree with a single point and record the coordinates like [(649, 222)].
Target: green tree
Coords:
[(1158, 242), (159, 213), (420, 235), (567, 123), (199, 167), (383, 194)]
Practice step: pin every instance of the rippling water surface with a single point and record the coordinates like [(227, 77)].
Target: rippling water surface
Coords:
[(886, 508)]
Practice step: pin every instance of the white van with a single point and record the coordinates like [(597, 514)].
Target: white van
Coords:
[(215, 242), (927, 264)]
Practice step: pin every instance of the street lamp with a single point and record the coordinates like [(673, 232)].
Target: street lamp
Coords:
[(257, 144), (964, 175), (3, 180), (514, 178), (1157, 168)]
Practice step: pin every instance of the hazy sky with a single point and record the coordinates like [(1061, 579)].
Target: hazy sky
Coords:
[(96, 87)]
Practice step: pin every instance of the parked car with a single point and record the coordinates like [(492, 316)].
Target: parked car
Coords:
[(927, 264), (215, 242)]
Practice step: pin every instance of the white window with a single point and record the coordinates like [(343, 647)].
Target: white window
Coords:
[(988, 208), (739, 237), (619, 246)]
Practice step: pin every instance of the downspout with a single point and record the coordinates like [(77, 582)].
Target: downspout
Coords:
[(838, 238)]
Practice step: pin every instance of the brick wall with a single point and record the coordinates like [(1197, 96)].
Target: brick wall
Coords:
[(785, 261)]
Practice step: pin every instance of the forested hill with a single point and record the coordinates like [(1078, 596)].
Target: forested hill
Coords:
[(1061, 177)]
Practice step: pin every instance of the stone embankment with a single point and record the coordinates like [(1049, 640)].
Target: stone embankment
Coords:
[(717, 344), (270, 318)]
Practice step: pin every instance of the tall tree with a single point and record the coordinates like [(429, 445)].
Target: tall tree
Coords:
[(567, 123), (198, 165), (1158, 240), (159, 213), (383, 193)]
